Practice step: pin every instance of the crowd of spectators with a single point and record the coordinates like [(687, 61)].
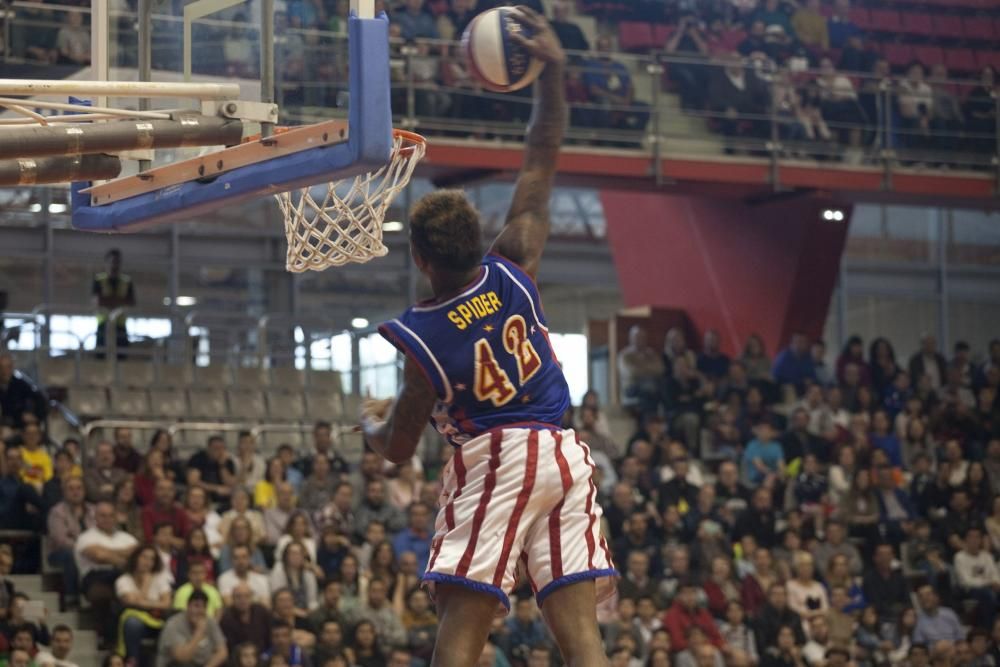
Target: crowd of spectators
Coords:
[(803, 511), (800, 65)]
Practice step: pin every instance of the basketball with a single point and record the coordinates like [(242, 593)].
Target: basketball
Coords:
[(497, 61)]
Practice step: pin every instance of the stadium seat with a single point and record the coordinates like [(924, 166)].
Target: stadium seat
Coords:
[(917, 24), (56, 371), (135, 374), (886, 20), (246, 404), (328, 381), (250, 378), (976, 27), (88, 401), (861, 17), (175, 376), (635, 36), (95, 373), (324, 406), (898, 55), (212, 376), (168, 403), (662, 32), (929, 55), (129, 402), (287, 378), (948, 26), (271, 440), (960, 60), (285, 407), (207, 403)]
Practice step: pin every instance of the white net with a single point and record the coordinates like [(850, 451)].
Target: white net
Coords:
[(341, 222)]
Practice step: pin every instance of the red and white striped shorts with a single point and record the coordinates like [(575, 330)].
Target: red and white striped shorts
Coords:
[(520, 496)]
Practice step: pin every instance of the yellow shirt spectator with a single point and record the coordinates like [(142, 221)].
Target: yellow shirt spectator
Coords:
[(37, 466), (263, 494), (811, 28)]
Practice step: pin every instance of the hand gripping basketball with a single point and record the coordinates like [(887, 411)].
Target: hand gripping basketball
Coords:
[(543, 43)]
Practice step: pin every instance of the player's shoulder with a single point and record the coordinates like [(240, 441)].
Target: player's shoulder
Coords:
[(508, 267)]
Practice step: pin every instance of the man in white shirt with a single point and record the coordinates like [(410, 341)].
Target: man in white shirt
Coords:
[(101, 553), (241, 573), (977, 574), (58, 654)]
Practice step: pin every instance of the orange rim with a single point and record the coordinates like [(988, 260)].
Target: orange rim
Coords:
[(410, 141)]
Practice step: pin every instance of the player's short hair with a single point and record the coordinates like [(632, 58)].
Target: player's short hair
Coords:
[(444, 229)]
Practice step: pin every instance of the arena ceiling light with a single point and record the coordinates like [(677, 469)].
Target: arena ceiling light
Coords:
[(833, 215), (359, 323), (392, 226), (57, 208), (182, 301)]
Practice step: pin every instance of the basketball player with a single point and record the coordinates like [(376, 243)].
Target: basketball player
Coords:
[(518, 491)]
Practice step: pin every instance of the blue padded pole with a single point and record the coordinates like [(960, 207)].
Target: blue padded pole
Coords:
[(369, 147)]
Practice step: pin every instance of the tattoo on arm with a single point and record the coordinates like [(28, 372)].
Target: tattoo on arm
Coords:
[(523, 238)]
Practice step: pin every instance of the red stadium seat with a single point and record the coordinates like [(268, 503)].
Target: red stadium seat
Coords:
[(929, 55), (986, 58), (948, 26), (978, 28), (898, 55), (886, 20), (635, 36), (961, 60), (861, 17), (918, 24), (662, 32)]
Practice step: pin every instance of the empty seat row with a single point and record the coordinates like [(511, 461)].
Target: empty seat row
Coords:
[(923, 24), (64, 372), (211, 404), (956, 60)]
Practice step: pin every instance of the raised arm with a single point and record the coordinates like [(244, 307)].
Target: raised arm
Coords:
[(523, 237), (393, 428)]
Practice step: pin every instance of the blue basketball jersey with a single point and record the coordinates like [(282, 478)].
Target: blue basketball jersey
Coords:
[(487, 354)]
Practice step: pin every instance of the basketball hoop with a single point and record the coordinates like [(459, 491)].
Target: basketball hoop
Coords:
[(344, 224)]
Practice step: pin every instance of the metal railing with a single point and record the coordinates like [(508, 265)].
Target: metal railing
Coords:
[(812, 115)]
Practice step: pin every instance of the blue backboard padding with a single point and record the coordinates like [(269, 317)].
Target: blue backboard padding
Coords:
[(369, 147)]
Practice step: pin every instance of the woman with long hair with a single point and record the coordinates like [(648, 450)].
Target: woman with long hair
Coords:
[(163, 442), (151, 471), (841, 475), (753, 589), (882, 364), (978, 486), (382, 566), (806, 596), (721, 587), (240, 507), (916, 441), (293, 572), (196, 549), (367, 652), (145, 593), (755, 359), (350, 577), (859, 509), (853, 353), (264, 491), (240, 534), (126, 509), (298, 528), (838, 573)]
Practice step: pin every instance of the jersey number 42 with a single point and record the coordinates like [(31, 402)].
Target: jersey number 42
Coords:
[(492, 382)]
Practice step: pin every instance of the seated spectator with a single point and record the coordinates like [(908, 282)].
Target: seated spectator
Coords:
[(405, 487), (977, 575), (640, 370), (21, 506), (712, 363), (199, 514), (143, 589), (934, 622), (21, 632), (36, 468), (153, 468), (776, 615), (738, 637), (164, 509), (241, 534), (415, 22), (840, 27), (17, 396), (689, 41), (337, 514), (298, 529), (884, 585), (980, 112), (569, 33), (283, 611), (66, 521), (375, 507), (58, 653), (245, 621), (242, 574), (276, 517), (840, 107), (755, 360), (610, 87), (127, 457), (101, 554), (758, 519), (797, 442), (684, 399), (721, 588), (524, 628), (685, 613), (240, 509), (451, 24), (331, 645), (365, 645), (836, 544), (772, 12), (859, 509), (63, 467), (197, 579), (331, 607), (213, 469), (763, 458), (810, 26), (699, 651), (294, 573), (248, 464), (420, 622), (915, 102), (416, 537), (927, 360), (101, 477), (806, 596), (192, 638), (786, 651), (793, 365)]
